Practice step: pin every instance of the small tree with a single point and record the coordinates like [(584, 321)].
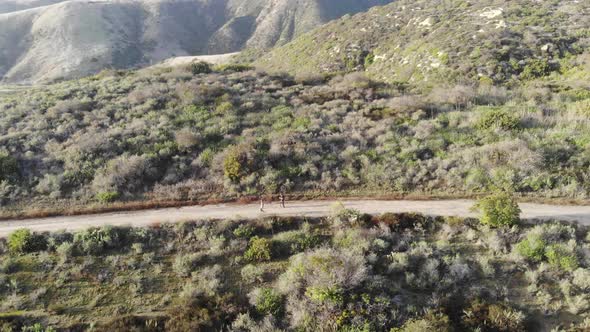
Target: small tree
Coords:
[(232, 167), (499, 209), (238, 162)]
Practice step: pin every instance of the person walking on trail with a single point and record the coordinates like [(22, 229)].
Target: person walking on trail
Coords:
[(261, 204), (282, 199)]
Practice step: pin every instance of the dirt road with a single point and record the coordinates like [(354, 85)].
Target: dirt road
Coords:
[(459, 208)]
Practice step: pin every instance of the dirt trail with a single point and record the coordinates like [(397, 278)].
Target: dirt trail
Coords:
[(459, 208)]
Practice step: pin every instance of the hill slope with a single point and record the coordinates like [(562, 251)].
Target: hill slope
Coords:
[(165, 134), (425, 41), (77, 38)]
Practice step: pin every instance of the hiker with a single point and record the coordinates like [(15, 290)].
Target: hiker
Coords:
[(261, 204), (282, 195)]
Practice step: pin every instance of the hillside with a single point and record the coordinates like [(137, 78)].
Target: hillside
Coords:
[(346, 272), (433, 42), (77, 38), (194, 133)]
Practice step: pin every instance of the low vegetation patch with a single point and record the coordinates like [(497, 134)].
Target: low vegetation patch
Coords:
[(348, 272)]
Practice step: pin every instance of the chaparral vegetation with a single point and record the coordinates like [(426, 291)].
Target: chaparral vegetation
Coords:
[(188, 134), (487, 99), (345, 272)]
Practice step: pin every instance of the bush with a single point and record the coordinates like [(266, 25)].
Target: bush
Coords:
[(269, 302), (325, 270), (23, 241), (498, 119), (259, 250), (252, 273), (185, 264), (536, 68), (343, 217), (125, 174), (493, 317), (224, 108), (500, 209), (582, 279), (322, 295), (94, 241), (532, 248), (65, 251), (560, 257), (232, 165), (244, 231), (200, 67), (107, 196)]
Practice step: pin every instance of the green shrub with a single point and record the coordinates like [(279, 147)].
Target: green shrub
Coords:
[(200, 67), (499, 209), (536, 68), (369, 59), (244, 231), (270, 302), (259, 250), (23, 241), (562, 258), (303, 242), (94, 241), (532, 248), (224, 108), (107, 196), (498, 119), (333, 295), (232, 165)]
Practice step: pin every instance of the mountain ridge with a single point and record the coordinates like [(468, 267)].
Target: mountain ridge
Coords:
[(71, 39)]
